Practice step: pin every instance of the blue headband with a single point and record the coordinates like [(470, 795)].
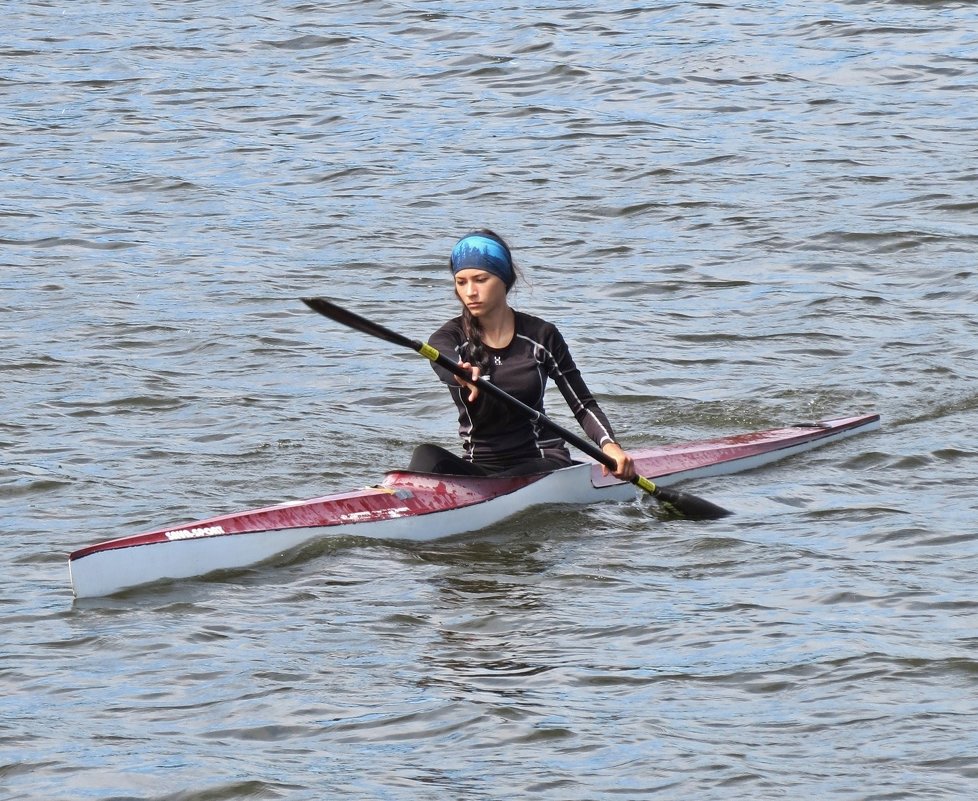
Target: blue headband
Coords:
[(478, 252)]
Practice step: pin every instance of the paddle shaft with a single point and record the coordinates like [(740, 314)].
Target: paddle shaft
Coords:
[(353, 320), (681, 503), (485, 385)]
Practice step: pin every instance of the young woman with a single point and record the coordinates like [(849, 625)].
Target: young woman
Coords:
[(518, 352)]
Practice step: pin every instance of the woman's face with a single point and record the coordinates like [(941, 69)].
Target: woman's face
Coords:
[(481, 292)]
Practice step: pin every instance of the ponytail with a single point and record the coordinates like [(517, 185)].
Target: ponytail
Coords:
[(477, 353)]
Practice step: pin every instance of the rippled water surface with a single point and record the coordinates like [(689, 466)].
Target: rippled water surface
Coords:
[(740, 214)]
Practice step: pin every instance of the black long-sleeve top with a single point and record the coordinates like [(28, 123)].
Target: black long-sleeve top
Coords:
[(498, 437)]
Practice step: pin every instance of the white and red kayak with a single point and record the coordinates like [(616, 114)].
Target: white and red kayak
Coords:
[(420, 507)]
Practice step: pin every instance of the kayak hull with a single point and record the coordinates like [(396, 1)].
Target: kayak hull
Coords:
[(419, 507)]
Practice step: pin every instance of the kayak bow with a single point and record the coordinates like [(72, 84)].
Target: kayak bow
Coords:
[(419, 507)]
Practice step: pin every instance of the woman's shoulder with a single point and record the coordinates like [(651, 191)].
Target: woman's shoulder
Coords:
[(451, 327), (535, 327)]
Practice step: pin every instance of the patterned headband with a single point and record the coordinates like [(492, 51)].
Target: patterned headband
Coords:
[(479, 252)]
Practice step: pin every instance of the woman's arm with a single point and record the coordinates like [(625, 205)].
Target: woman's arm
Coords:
[(585, 408), (448, 340)]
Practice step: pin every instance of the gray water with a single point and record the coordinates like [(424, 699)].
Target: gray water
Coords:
[(741, 215)]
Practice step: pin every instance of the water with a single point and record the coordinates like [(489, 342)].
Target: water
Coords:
[(740, 214)]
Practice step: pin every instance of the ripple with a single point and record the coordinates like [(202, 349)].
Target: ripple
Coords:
[(738, 219)]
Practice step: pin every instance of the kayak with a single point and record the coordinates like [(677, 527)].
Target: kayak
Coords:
[(420, 507)]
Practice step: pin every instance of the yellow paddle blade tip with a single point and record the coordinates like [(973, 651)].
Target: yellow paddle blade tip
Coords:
[(645, 484)]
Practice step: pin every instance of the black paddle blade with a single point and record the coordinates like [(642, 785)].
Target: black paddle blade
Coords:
[(351, 320), (689, 506)]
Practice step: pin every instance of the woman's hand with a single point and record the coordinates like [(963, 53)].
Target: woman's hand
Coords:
[(473, 386), (626, 465)]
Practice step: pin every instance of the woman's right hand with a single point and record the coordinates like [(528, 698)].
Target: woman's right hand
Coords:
[(473, 385), (625, 469)]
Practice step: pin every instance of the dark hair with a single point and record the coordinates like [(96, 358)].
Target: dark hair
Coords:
[(471, 325)]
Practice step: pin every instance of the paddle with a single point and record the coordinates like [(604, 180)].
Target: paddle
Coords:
[(679, 503)]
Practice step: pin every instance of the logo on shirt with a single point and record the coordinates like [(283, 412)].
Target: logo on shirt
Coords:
[(497, 360)]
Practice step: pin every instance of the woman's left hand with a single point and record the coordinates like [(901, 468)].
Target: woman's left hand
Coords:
[(473, 386), (626, 465)]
